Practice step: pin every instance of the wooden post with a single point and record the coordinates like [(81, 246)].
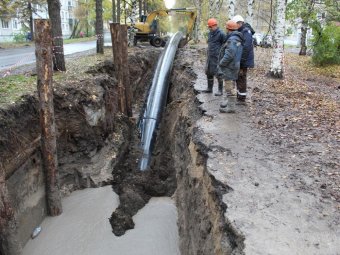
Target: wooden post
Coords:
[(43, 52), (120, 60), (9, 243)]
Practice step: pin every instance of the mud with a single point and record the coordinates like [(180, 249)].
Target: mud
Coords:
[(238, 189), (92, 137), (134, 187)]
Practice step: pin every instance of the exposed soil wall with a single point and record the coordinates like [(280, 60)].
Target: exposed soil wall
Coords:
[(179, 165), (91, 138)]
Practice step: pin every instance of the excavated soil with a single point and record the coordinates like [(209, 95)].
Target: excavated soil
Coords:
[(244, 183)]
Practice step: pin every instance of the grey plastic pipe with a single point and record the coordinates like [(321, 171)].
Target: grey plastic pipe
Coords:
[(156, 100)]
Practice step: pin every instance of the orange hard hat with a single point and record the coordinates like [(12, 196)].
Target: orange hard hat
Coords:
[(212, 22), (231, 25)]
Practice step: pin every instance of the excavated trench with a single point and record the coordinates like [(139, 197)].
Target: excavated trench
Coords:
[(90, 148)]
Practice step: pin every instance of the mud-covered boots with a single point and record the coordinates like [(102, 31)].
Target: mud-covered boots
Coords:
[(230, 105), (220, 88), (210, 86)]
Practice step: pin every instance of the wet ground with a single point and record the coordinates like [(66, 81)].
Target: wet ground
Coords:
[(84, 228), (270, 202)]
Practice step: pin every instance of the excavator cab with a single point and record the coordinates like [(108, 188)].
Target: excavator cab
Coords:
[(150, 28)]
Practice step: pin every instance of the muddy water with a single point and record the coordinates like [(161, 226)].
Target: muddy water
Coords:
[(84, 228)]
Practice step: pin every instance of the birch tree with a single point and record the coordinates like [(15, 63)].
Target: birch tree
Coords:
[(249, 16), (198, 4), (132, 18), (212, 8), (276, 69), (231, 8)]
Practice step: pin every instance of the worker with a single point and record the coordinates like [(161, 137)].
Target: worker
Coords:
[(229, 65), (216, 38), (247, 60)]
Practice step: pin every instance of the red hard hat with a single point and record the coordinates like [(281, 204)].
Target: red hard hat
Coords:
[(212, 22), (231, 25)]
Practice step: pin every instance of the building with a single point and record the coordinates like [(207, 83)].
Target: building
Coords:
[(9, 27)]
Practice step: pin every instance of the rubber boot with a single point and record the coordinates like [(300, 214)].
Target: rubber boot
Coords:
[(224, 102), (210, 86), (220, 88), (230, 105)]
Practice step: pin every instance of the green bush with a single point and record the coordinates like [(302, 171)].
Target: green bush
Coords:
[(326, 45), (21, 37)]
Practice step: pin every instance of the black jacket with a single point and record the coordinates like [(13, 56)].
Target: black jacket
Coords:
[(215, 41)]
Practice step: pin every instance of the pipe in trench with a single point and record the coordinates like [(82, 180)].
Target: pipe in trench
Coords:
[(156, 100)]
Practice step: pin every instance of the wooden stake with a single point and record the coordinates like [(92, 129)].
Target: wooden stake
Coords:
[(43, 52), (120, 60)]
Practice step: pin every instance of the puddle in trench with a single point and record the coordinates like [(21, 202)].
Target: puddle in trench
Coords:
[(84, 228)]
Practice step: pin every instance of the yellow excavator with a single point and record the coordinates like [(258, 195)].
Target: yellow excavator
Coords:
[(149, 29)]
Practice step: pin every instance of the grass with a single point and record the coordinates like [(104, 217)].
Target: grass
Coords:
[(13, 87)]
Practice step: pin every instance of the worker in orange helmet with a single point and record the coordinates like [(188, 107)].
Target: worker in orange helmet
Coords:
[(216, 38), (229, 65)]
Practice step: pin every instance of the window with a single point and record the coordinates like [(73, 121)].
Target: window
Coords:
[(4, 24), (15, 24)]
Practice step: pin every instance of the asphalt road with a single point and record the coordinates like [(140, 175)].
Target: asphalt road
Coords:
[(11, 58)]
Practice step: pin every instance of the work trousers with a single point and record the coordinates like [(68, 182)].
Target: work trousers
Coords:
[(241, 84), (211, 79)]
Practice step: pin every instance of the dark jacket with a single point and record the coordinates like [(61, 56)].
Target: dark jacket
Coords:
[(230, 56), (247, 59), (215, 41)]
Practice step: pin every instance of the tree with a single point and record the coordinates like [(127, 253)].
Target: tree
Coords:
[(132, 18), (249, 17), (276, 69), (212, 8), (303, 12), (114, 11), (231, 8), (57, 35), (99, 26), (198, 4)]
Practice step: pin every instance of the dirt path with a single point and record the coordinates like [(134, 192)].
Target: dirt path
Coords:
[(84, 228), (270, 201)]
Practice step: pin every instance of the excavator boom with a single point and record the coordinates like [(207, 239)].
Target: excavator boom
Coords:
[(149, 30)]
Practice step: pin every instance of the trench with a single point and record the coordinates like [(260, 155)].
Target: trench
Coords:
[(177, 178)]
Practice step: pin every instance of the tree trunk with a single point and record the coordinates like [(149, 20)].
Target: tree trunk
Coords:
[(144, 7), (99, 26), (132, 17), (198, 5), (114, 10), (118, 11), (43, 53), (57, 35), (231, 8), (303, 50), (249, 17), (74, 29), (212, 8), (276, 69), (140, 9), (8, 225), (31, 20), (120, 58)]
